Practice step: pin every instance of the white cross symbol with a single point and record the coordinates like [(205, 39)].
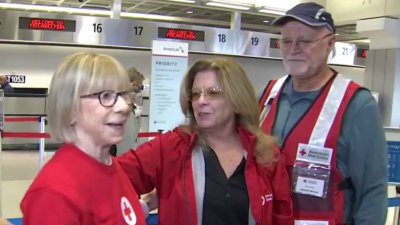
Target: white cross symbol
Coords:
[(127, 211)]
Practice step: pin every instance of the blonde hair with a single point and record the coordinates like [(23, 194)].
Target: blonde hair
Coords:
[(239, 93), (77, 75)]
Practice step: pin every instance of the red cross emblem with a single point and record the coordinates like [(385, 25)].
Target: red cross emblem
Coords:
[(303, 152), (127, 211)]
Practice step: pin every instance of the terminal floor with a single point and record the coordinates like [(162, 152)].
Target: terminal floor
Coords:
[(18, 168)]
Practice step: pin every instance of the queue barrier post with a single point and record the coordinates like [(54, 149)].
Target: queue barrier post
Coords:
[(42, 124), (41, 135), (4, 134)]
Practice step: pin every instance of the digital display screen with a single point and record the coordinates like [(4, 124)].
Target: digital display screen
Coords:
[(181, 34), (47, 24)]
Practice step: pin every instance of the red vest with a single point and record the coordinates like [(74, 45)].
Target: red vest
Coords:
[(314, 129)]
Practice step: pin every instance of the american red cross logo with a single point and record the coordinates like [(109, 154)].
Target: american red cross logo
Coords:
[(303, 152), (127, 211)]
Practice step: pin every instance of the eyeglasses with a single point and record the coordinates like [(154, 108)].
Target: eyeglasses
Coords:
[(109, 98), (211, 93), (287, 43)]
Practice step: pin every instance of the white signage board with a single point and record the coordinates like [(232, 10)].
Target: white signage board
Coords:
[(343, 53), (168, 66), (1, 109)]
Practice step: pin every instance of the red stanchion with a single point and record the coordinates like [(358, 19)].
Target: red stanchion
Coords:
[(47, 135), (25, 135), (21, 119)]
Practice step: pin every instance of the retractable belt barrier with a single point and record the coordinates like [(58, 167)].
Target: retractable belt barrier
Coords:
[(6, 134), (42, 134), (392, 202)]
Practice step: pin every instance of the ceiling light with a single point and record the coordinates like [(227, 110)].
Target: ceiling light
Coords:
[(228, 5), (55, 9), (282, 4), (184, 1), (146, 16), (271, 11)]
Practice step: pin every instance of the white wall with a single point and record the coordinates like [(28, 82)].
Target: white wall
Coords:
[(38, 62)]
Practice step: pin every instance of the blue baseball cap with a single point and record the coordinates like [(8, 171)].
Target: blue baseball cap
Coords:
[(310, 13)]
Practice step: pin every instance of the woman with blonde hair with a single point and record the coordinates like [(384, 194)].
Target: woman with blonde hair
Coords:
[(88, 106), (220, 168)]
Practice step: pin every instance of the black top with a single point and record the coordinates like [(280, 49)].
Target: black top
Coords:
[(7, 88), (225, 200)]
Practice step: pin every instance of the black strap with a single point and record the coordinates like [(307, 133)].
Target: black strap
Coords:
[(349, 223), (345, 184)]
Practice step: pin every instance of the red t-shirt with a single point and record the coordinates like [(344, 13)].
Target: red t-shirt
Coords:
[(73, 188)]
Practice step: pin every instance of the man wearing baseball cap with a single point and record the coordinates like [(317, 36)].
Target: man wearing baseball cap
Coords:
[(328, 127)]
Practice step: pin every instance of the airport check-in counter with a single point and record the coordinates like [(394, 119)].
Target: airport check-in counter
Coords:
[(25, 102)]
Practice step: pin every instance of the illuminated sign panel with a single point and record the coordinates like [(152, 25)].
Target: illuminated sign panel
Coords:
[(46, 24), (362, 53), (180, 34)]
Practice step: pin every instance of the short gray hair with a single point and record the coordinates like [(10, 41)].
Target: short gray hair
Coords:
[(77, 75)]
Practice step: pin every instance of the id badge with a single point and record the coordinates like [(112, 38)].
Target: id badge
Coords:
[(311, 171), (310, 186)]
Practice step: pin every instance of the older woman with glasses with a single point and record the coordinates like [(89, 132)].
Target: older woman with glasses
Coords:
[(220, 168), (88, 106)]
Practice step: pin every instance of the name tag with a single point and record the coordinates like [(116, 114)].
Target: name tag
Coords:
[(310, 222), (310, 186), (314, 154)]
